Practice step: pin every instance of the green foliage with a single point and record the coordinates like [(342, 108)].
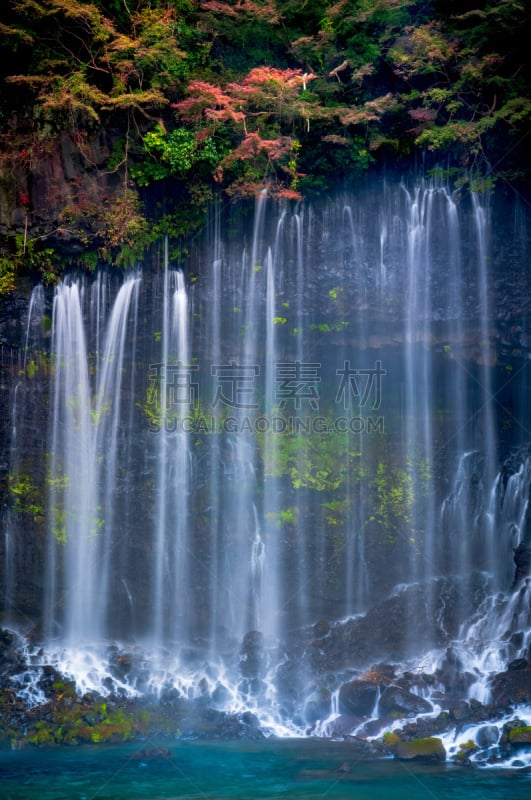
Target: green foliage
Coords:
[(7, 275), (286, 517), (174, 154), (183, 215), (72, 720), (335, 511), (61, 518), (394, 497), (123, 228), (310, 461), (22, 255), (465, 750), (325, 327), (329, 466), (26, 496)]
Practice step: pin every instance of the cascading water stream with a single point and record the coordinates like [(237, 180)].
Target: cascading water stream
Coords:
[(73, 505), (106, 417), (81, 481), (173, 398), (272, 564), (240, 379), (356, 576), (214, 461)]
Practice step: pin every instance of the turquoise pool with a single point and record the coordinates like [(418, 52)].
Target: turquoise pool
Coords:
[(244, 770)]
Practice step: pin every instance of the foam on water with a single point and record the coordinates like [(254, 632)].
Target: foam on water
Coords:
[(471, 733)]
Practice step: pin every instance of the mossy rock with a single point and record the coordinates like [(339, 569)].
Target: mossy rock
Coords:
[(520, 736), (391, 740), (42, 735), (430, 749), (465, 751)]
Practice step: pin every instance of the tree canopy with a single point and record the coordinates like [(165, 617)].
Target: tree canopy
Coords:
[(235, 95)]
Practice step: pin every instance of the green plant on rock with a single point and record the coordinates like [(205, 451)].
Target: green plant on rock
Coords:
[(336, 511), (26, 496), (287, 516), (123, 228), (465, 751), (37, 364), (514, 733), (390, 739), (43, 735), (314, 460), (7, 275), (174, 154), (394, 496), (21, 254)]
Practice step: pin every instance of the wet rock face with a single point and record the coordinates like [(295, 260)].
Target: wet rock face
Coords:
[(208, 723), (517, 664), (318, 706), (487, 736), (62, 175), (9, 657), (386, 629), (522, 559), (395, 700), (252, 656), (452, 675), (62, 716), (358, 698), (512, 687)]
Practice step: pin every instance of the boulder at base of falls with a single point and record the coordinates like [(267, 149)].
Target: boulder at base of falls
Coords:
[(427, 750), (512, 687), (487, 736), (358, 697), (318, 706), (520, 737), (470, 712), (515, 734), (395, 700)]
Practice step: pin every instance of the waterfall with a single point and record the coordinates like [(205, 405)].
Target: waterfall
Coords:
[(74, 522), (83, 469), (498, 630), (249, 453), (273, 601), (214, 463), (418, 378), (172, 395)]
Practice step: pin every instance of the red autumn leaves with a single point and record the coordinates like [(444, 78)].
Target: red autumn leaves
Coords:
[(260, 113)]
